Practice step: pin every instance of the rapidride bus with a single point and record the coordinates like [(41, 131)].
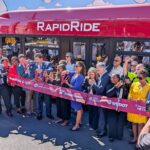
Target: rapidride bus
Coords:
[(90, 33)]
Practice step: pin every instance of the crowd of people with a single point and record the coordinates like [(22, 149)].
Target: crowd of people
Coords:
[(125, 78)]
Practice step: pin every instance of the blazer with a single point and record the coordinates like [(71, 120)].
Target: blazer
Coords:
[(29, 74), (44, 66), (100, 87), (21, 71)]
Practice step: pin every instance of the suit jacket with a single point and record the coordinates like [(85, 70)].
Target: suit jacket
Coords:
[(44, 66), (100, 87), (2, 78), (21, 71), (30, 73)]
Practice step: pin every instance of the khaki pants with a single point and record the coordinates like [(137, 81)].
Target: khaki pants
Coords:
[(29, 101)]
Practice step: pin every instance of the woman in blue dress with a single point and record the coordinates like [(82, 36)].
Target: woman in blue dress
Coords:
[(76, 84)]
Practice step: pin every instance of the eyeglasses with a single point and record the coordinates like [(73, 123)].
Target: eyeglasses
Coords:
[(67, 56)]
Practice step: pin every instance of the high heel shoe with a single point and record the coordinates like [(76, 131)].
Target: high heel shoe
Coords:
[(75, 129), (133, 141), (65, 123)]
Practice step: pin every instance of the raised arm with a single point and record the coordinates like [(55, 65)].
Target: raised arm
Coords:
[(125, 66)]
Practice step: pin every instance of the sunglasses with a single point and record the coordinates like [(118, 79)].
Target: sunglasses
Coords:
[(140, 78), (133, 65), (77, 66), (67, 56), (116, 60)]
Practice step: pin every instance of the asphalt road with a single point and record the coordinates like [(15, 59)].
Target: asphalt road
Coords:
[(27, 133)]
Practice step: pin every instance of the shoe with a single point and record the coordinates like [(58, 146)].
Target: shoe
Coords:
[(91, 129), (132, 141), (28, 114), (111, 139), (65, 123), (39, 117), (59, 121), (23, 110), (101, 135), (50, 117), (19, 111), (9, 114), (75, 129), (33, 114)]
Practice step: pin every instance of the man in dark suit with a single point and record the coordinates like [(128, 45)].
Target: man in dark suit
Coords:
[(40, 67), (26, 69), (4, 92), (100, 88)]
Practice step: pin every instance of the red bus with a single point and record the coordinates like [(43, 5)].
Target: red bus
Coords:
[(90, 33)]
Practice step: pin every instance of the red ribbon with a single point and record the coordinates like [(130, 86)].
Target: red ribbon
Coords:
[(124, 105)]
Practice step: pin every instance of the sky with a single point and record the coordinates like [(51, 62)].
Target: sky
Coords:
[(7, 5)]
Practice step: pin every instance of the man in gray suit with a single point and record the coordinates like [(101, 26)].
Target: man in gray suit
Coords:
[(100, 88)]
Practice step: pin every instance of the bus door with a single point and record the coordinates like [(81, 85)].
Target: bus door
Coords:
[(80, 50)]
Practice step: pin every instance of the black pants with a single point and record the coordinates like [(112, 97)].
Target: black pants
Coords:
[(48, 103), (9, 89), (93, 116), (63, 108), (103, 120), (4, 92), (115, 124), (19, 97)]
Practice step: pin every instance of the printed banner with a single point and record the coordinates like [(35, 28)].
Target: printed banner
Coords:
[(123, 105)]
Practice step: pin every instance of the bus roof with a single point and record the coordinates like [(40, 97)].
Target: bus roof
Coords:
[(114, 21), (101, 12)]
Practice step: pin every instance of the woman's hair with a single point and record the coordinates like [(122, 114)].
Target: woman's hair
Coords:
[(62, 66), (83, 70), (116, 75), (144, 73), (14, 58), (92, 69), (71, 56), (5, 59), (21, 56), (62, 62)]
